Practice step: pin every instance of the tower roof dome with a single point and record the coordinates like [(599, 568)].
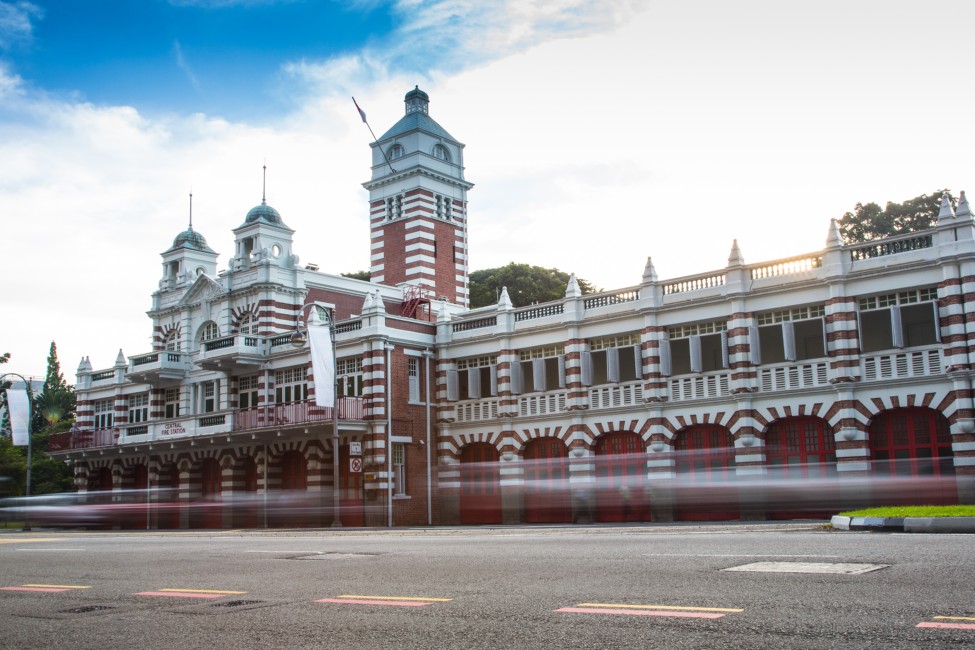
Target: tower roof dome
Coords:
[(265, 213), (189, 238)]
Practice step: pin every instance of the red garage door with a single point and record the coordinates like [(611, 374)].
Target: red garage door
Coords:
[(547, 496), (912, 448), (480, 485), (351, 498), (801, 454), (621, 467), (705, 474)]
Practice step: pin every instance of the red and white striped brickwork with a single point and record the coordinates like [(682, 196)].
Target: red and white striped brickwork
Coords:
[(842, 344), (576, 394), (744, 374), (654, 381)]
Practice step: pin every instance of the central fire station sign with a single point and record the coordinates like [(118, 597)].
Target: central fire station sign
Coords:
[(355, 465)]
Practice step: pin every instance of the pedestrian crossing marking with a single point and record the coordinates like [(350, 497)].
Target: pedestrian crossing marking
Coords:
[(667, 607), (391, 601), (59, 586), (433, 600), (675, 611), (206, 591), (949, 626)]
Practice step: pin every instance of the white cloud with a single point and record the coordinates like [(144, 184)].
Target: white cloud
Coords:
[(16, 22)]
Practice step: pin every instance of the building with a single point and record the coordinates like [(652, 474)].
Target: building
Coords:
[(671, 399)]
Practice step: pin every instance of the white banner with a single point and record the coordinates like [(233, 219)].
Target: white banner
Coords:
[(18, 406), (322, 364)]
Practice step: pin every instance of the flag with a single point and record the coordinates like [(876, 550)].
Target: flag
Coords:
[(362, 113), (18, 405), (322, 364)]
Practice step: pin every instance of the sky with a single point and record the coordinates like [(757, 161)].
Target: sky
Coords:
[(599, 133)]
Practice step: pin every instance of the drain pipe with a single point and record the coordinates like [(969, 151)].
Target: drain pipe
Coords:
[(426, 355), (389, 436)]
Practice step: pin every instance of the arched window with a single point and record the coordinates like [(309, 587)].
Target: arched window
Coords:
[(248, 324), (209, 331), (440, 152), (171, 342), (396, 151)]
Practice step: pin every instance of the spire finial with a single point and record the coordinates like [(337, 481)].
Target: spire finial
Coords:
[(191, 208), (264, 185)]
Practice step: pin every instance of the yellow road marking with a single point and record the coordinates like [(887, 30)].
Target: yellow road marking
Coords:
[(667, 607), (31, 539), (60, 586), (432, 600), (203, 591), (954, 618)]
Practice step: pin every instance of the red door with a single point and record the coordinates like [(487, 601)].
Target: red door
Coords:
[(621, 466), (480, 485), (801, 454), (547, 496), (207, 509), (705, 466), (911, 450), (247, 508), (351, 500), (167, 504)]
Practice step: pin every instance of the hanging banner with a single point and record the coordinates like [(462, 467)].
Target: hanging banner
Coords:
[(18, 407), (322, 364)]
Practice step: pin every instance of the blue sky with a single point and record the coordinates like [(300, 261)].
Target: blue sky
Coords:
[(599, 133), (215, 57)]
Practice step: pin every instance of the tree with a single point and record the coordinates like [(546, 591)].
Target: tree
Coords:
[(55, 403), (868, 221), (358, 275), (526, 285)]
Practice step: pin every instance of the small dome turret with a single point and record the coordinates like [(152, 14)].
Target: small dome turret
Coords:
[(264, 213), (189, 238)]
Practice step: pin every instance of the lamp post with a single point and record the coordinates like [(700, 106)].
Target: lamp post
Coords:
[(299, 339), (30, 398)]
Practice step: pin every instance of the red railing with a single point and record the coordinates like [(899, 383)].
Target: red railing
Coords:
[(260, 417), (82, 439), (350, 408)]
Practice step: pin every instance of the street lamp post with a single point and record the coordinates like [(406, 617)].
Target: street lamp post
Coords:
[(30, 398), (299, 339)]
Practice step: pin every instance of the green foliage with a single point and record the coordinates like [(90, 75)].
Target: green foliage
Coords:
[(868, 221), (358, 275), (526, 285), (56, 401)]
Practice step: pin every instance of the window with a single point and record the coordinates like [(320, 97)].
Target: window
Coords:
[(399, 469), (350, 377), (477, 377), (899, 320), (700, 347), (440, 153), (139, 408), (171, 342), (290, 385), (209, 397), (172, 402), (613, 359), (394, 207), (247, 392), (792, 334), (209, 331), (103, 413), (248, 324), (396, 151), (413, 372)]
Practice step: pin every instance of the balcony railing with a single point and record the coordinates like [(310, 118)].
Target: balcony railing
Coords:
[(700, 386), (792, 377), (901, 365), (279, 415)]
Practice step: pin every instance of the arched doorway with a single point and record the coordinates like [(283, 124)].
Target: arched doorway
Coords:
[(480, 484), (247, 504), (168, 504), (705, 464), (100, 480), (351, 497), (207, 512), (290, 507), (547, 496), (913, 445), (133, 513), (621, 468), (801, 457)]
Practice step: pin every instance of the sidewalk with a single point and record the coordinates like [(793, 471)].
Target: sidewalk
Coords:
[(906, 524)]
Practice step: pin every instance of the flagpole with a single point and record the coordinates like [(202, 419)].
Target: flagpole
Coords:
[(362, 114)]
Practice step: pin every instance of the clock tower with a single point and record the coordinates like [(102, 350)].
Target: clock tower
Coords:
[(418, 206)]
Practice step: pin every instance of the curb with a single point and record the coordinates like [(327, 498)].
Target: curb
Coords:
[(906, 524)]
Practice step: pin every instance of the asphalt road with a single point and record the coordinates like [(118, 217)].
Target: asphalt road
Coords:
[(637, 587)]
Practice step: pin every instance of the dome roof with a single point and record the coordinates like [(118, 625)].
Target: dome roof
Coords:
[(189, 238), (265, 213)]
